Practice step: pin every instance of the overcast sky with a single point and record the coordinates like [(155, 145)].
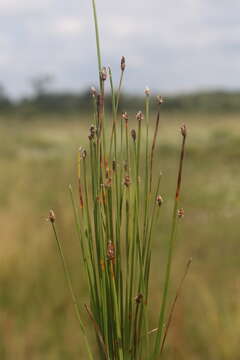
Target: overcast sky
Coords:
[(171, 46)]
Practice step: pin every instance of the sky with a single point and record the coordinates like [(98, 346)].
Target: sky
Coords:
[(171, 46)]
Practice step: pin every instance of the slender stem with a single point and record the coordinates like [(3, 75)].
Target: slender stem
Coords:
[(174, 304), (170, 250), (97, 43), (70, 286), (153, 147), (98, 331), (114, 122), (119, 90)]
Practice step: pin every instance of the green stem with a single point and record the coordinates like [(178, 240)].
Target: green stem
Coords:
[(97, 43), (70, 286), (170, 249)]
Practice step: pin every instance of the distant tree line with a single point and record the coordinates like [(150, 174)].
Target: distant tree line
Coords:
[(45, 101)]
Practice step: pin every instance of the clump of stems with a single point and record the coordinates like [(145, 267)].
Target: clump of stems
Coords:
[(115, 212)]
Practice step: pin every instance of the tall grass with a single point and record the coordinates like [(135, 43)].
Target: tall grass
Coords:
[(116, 210)]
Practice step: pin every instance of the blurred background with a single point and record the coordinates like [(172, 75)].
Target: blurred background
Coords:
[(189, 53)]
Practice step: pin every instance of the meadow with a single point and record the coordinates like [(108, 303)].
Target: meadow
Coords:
[(38, 162)]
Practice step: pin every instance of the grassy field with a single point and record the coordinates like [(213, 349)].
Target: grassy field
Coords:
[(38, 159)]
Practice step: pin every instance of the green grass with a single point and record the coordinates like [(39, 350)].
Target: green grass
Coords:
[(37, 318), (115, 211)]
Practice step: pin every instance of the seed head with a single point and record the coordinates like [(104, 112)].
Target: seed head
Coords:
[(92, 132), (51, 216), (111, 251), (133, 134), (107, 183), (139, 116), (139, 298), (183, 130), (160, 100), (159, 200), (83, 153), (125, 116), (123, 63), (181, 213), (103, 74), (114, 165), (127, 181), (147, 91), (93, 92)]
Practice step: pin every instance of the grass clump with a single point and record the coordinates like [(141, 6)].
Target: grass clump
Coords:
[(115, 212)]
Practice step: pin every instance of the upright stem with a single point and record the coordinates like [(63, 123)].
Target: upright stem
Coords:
[(97, 43), (170, 249), (70, 286), (174, 305), (119, 90)]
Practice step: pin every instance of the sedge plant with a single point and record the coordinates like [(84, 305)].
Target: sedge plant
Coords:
[(116, 211)]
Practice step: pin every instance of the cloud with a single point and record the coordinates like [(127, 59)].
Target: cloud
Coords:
[(23, 7), (172, 45), (68, 26)]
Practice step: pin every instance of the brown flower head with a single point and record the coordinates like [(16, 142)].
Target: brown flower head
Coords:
[(83, 153), (111, 251), (127, 181), (133, 134), (123, 63), (183, 130), (103, 74), (160, 100), (159, 200), (139, 116), (51, 216), (92, 132), (181, 213), (93, 92), (139, 298), (147, 91)]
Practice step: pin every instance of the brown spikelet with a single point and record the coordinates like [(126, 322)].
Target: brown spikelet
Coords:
[(51, 216), (133, 134), (127, 181), (181, 213), (111, 251), (93, 92), (159, 200), (114, 165), (103, 74), (184, 135), (123, 63), (139, 116), (125, 117), (80, 193)]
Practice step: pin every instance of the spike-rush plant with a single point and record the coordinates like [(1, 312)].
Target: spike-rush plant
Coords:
[(115, 215)]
